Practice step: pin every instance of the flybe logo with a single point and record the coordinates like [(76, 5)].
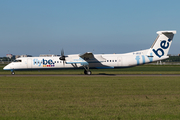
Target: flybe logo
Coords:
[(144, 60), (45, 63), (164, 45)]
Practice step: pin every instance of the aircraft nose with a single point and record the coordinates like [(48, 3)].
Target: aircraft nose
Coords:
[(7, 67)]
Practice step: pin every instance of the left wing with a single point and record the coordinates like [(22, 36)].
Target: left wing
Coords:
[(80, 59), (87, 56), (85, 59)]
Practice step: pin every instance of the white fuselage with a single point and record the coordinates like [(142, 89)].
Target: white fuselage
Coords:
[(74, 61)]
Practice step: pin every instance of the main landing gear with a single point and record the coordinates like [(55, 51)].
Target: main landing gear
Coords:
[(87, 71)]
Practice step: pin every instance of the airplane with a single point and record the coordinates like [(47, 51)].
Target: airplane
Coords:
[(158, 51)]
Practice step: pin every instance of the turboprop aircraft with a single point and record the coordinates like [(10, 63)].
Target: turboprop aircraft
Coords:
[(88, 60)]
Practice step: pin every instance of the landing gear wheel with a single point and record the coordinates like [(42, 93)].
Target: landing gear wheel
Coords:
[(12, 73), (87, 72)]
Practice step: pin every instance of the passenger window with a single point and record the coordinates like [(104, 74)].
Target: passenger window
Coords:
[(57, 61), (107, 60)]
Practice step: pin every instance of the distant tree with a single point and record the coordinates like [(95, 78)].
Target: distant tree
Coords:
[(173, 59), (6, 59)]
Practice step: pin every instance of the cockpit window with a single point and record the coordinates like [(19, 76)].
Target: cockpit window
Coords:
[(17, 60)]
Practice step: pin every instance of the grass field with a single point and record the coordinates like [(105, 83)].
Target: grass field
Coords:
[(90, 98)]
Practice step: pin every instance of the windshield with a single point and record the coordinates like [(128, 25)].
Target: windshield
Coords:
[(17, 61)]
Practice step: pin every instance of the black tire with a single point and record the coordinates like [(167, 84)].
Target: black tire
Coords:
[(85, 72), (13, 73)]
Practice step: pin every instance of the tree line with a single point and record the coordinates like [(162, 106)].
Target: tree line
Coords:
[(173, 59), (6, 59)]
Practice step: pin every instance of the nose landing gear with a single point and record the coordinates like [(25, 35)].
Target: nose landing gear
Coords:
[(12, 72)]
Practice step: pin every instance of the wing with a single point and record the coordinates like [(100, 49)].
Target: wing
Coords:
[(85, 59), (88, 56)]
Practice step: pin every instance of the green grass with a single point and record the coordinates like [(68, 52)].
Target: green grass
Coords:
[(90, 98)]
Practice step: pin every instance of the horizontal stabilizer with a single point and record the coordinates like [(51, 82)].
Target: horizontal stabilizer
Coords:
[(166, 32)]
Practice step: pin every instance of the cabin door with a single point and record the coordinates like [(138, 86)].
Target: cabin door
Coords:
[(119, 61), (29, 63)]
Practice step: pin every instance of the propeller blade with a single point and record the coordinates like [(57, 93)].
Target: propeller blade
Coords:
[(62, 52), (63, 57)]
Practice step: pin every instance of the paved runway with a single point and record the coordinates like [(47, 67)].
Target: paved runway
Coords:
[(99, 75)]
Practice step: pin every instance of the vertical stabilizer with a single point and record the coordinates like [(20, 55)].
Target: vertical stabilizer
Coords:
[(161, 45)]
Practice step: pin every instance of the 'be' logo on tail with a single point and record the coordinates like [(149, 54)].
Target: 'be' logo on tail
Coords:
[(164, 45)]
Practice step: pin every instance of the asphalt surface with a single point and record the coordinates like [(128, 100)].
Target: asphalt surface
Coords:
[(99, 75)]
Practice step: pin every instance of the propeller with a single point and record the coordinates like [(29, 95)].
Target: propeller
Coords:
[(62, 56)]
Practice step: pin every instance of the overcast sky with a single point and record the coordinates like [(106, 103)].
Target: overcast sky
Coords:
[(100, 26)]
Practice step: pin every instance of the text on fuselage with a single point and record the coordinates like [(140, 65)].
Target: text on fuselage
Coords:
[(45, 63), (163, 45), (143, 57)]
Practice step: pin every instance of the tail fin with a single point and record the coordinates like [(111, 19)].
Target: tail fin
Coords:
[(161, 45)]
